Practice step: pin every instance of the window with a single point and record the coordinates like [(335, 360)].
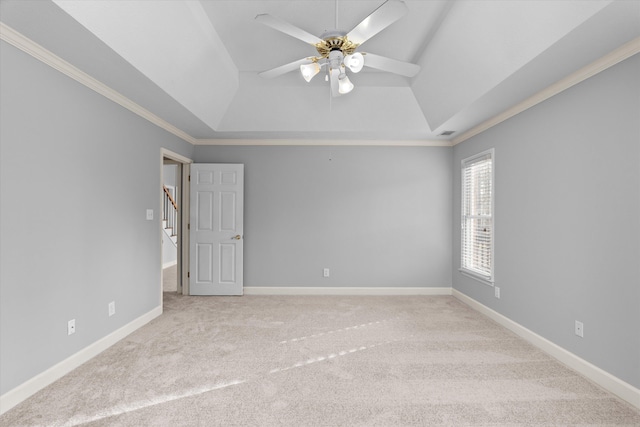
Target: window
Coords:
[(477, 216)]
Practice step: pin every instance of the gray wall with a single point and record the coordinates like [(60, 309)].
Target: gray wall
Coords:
[(568, 219), (169, 175), (376, 216), (64, 252), (567, 212)]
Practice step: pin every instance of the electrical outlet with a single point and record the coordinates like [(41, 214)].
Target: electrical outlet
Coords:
[(325, 272), (496, 291), (112, 308), (579, 329), (149, 214), (71, 327)]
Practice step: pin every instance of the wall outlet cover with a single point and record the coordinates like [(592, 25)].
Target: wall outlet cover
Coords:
[(579, 329)]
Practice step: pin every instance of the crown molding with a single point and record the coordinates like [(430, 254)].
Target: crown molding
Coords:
[(618, 55), (30, 47), (327, 142)]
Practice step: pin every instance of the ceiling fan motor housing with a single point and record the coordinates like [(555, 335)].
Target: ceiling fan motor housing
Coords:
[(335, 40)]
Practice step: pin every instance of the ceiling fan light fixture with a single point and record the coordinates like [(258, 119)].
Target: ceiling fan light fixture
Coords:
[(337, 49), (344, 85), (355, 62), (309, 70)]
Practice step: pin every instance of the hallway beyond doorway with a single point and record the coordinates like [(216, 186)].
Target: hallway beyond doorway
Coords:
[(170, 279)]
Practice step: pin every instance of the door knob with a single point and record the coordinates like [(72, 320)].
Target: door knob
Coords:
[(237, 237)]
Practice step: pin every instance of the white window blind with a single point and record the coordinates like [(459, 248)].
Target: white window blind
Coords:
[(477, 216)]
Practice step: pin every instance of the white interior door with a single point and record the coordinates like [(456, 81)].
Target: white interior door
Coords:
[(216, 229)]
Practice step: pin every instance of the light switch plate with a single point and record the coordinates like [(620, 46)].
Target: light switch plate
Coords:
[(149, 214)]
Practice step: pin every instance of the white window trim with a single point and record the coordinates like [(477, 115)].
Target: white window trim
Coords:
[(482, 279), (466, 272)]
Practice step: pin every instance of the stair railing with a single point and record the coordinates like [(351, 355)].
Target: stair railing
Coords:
[(170, 211)]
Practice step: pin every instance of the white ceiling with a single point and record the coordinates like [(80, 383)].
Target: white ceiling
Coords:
[(195, 63)]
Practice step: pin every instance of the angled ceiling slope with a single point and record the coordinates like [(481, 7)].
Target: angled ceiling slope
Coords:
[(482, 43), (195, 63), (173, 43)]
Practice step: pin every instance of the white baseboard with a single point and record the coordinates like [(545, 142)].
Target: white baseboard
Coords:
[(40, 381), (169, 264), (599, 376), (292, 290)]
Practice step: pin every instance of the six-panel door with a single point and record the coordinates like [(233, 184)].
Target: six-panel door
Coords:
[(216, 229)]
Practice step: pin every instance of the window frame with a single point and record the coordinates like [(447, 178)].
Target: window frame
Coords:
[(464, 163)]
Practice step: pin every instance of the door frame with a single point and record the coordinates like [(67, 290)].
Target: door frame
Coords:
[(183, 207)]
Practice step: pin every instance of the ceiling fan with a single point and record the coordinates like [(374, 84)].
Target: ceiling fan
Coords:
[(337, 49)]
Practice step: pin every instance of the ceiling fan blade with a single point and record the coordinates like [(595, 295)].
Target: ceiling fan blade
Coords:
[(381, 18), (284, 69), (287, 28), (383, 63)]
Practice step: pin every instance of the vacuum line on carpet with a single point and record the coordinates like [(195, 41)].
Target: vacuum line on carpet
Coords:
[(348, 328), (131, 407), (334, 355), (126, 408)]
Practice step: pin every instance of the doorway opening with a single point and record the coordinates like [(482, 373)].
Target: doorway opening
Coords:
[(174, 199), (171, 195)]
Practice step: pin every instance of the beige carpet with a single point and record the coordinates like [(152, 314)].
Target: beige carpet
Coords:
[(321, 361)]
